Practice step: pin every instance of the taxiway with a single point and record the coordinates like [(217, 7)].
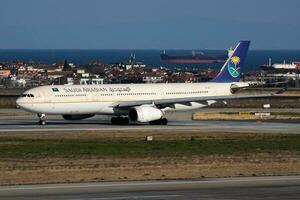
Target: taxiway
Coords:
[(224, 188), (29, 125), (178, 121)]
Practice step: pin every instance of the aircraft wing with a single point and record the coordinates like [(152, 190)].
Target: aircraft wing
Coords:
[(186, 100)]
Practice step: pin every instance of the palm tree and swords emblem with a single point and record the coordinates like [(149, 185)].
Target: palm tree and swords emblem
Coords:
[(233, 68)]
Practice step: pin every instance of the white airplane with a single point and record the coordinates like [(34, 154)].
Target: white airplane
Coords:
[(137, 102)]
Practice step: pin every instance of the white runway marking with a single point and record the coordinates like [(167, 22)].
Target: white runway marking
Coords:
[(135, 197)]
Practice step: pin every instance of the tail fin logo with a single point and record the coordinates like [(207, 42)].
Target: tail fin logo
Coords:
[(233, 67), (231, 70)]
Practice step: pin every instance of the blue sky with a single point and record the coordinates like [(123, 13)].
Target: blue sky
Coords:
[(148, 24)]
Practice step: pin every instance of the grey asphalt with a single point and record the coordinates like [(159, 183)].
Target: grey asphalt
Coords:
[(28, 125), (224, 188), (18, 120)]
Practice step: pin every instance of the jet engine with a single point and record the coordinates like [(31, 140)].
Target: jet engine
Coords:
[(77, 117), (144, 113)]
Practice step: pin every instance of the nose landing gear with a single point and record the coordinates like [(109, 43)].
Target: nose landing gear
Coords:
[(42, 119)]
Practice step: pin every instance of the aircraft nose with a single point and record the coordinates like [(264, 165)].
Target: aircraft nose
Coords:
[(19, 102)]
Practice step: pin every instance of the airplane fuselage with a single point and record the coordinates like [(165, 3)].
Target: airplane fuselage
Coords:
[(102, 99)]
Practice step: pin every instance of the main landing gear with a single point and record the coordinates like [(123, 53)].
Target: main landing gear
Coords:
[(119, 120), (42, 119), (125, 121), (162, 121)]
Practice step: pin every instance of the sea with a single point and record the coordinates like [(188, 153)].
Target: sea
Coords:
[(255, 58)]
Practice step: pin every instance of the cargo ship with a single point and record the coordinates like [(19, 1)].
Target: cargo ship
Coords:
[(195, 57), (280, 66)]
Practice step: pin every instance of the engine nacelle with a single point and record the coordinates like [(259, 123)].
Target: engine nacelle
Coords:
[(77, 117), (144, 114)]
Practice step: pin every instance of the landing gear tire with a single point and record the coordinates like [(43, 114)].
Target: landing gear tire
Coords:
[(162, 121), (113, 120), (42, 122), (125, 120), (119, 120), (42, 119)]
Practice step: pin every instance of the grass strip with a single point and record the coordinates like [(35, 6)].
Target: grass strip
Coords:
[(40, 148)]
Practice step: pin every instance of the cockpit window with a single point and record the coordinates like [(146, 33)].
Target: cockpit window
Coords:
[(27, 95)]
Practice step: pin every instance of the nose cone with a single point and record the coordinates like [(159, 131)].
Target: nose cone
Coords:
[(22, 103), (19, 102)]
